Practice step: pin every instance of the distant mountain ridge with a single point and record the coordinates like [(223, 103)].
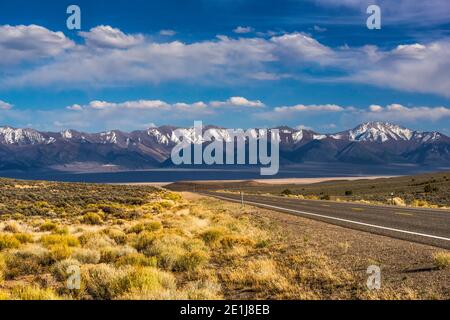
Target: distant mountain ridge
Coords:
[(369, 143)]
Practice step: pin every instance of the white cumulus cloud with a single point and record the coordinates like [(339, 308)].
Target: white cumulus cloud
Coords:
[(238, 102), (109, 37), (301, 48), (241, 30), (416, 68), (398, 111), (309, 108), (30, 43)]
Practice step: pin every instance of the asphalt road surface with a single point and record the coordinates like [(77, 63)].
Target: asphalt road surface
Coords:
[(426, 226)]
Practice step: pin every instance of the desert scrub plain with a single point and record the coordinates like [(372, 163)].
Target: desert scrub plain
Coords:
[(429, 190), (140, 242)]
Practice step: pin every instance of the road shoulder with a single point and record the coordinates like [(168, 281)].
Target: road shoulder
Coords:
[(407, 267)]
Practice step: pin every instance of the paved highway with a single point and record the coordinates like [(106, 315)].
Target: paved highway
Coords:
[(413, 224)]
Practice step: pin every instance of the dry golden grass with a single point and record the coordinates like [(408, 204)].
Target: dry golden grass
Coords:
[(257, 273), (29, 292), (442, 259)]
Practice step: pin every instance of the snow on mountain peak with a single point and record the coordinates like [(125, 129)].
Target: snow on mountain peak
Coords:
[(21, 136), (67, 134), (109, 137), (380, 132), (160, 137), (297, 136)]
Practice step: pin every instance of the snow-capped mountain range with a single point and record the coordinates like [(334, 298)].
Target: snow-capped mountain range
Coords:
[(370, 142), (384, 132)]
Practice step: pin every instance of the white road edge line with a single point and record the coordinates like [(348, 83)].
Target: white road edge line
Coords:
[(338, 219)]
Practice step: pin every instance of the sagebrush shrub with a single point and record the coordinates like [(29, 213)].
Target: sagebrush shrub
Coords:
[(191, 261), (60, 270), (24, 237), (103, 281), (137, 259), (92, 218), (86, 256), (146, 226), (442, 259), (117, 235), (29, 260), (8, 241), (212, 235), (52, 239), (112, 254), (96, 240), (48, 226), (59, 252)]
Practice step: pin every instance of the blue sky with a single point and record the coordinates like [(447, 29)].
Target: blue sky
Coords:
[(310, 63)]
